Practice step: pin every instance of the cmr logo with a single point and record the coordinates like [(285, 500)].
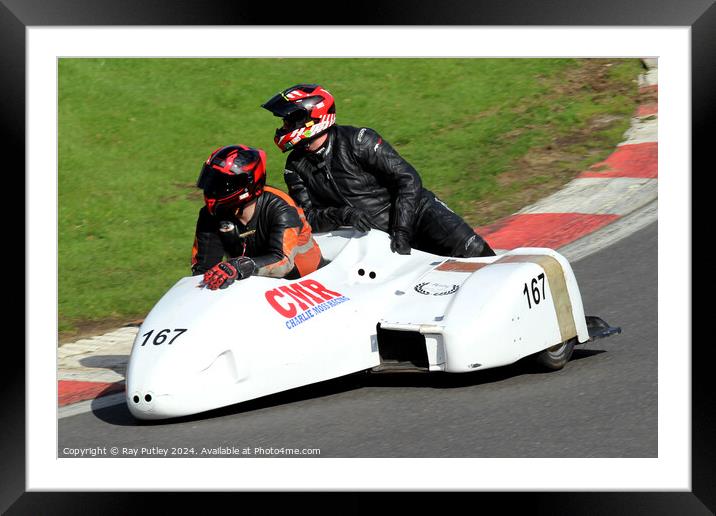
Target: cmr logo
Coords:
[(302, 300)]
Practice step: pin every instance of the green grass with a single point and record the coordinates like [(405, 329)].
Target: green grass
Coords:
[(133, 134)]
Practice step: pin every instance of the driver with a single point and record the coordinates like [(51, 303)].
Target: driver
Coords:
[(259, 228), (348, 176)]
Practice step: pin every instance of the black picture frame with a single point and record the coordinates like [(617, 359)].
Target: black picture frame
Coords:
[(17, 15)]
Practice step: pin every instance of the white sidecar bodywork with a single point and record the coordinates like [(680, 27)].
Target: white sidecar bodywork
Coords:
[(200, 349)]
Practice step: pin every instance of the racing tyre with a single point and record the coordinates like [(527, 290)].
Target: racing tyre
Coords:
[(556, 357)]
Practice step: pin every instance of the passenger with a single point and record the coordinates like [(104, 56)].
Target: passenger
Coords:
[(259, 228), (349, 176)]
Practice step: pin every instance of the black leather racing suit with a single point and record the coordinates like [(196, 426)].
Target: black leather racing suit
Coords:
[(277, 238), (356, 168)]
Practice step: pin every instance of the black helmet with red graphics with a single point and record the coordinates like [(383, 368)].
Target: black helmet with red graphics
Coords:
[(232, 177), (307, 111)]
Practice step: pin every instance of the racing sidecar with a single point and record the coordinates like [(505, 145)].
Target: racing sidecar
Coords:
[(369, 309)]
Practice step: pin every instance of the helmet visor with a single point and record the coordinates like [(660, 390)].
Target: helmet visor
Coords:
[(219, 185), (295, 120)]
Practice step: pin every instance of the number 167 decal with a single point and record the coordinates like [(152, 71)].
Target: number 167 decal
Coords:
[(161, 336), (532, 292)]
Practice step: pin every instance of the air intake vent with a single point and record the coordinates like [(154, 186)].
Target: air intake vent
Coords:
[(401, 350)]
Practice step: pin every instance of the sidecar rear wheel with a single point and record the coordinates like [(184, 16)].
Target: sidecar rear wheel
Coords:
[(556, 357)]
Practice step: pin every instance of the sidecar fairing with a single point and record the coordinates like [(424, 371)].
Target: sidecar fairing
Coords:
[(200, 349)]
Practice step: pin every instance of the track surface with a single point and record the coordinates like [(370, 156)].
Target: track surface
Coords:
[(602, 404)]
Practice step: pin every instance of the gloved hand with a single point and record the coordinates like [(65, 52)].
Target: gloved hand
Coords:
[(245, 265), (224, 274), (220, 275), (400, 242), (357, 218)]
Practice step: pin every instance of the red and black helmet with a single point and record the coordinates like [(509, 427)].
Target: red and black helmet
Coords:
[(307, 111), (232, 177)]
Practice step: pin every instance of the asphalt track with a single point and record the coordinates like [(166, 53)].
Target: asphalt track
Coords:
[(602, 404)]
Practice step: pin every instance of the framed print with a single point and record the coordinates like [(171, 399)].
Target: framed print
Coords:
[(58, 56)]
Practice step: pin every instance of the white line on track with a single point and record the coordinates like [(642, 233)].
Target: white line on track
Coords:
[(610, 234)]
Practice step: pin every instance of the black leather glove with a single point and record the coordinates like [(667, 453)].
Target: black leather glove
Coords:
[(245, 265), (357, 218), (224, 274), (400, 241)]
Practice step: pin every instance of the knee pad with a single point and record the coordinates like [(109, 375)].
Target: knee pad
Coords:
[(474, 247)]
